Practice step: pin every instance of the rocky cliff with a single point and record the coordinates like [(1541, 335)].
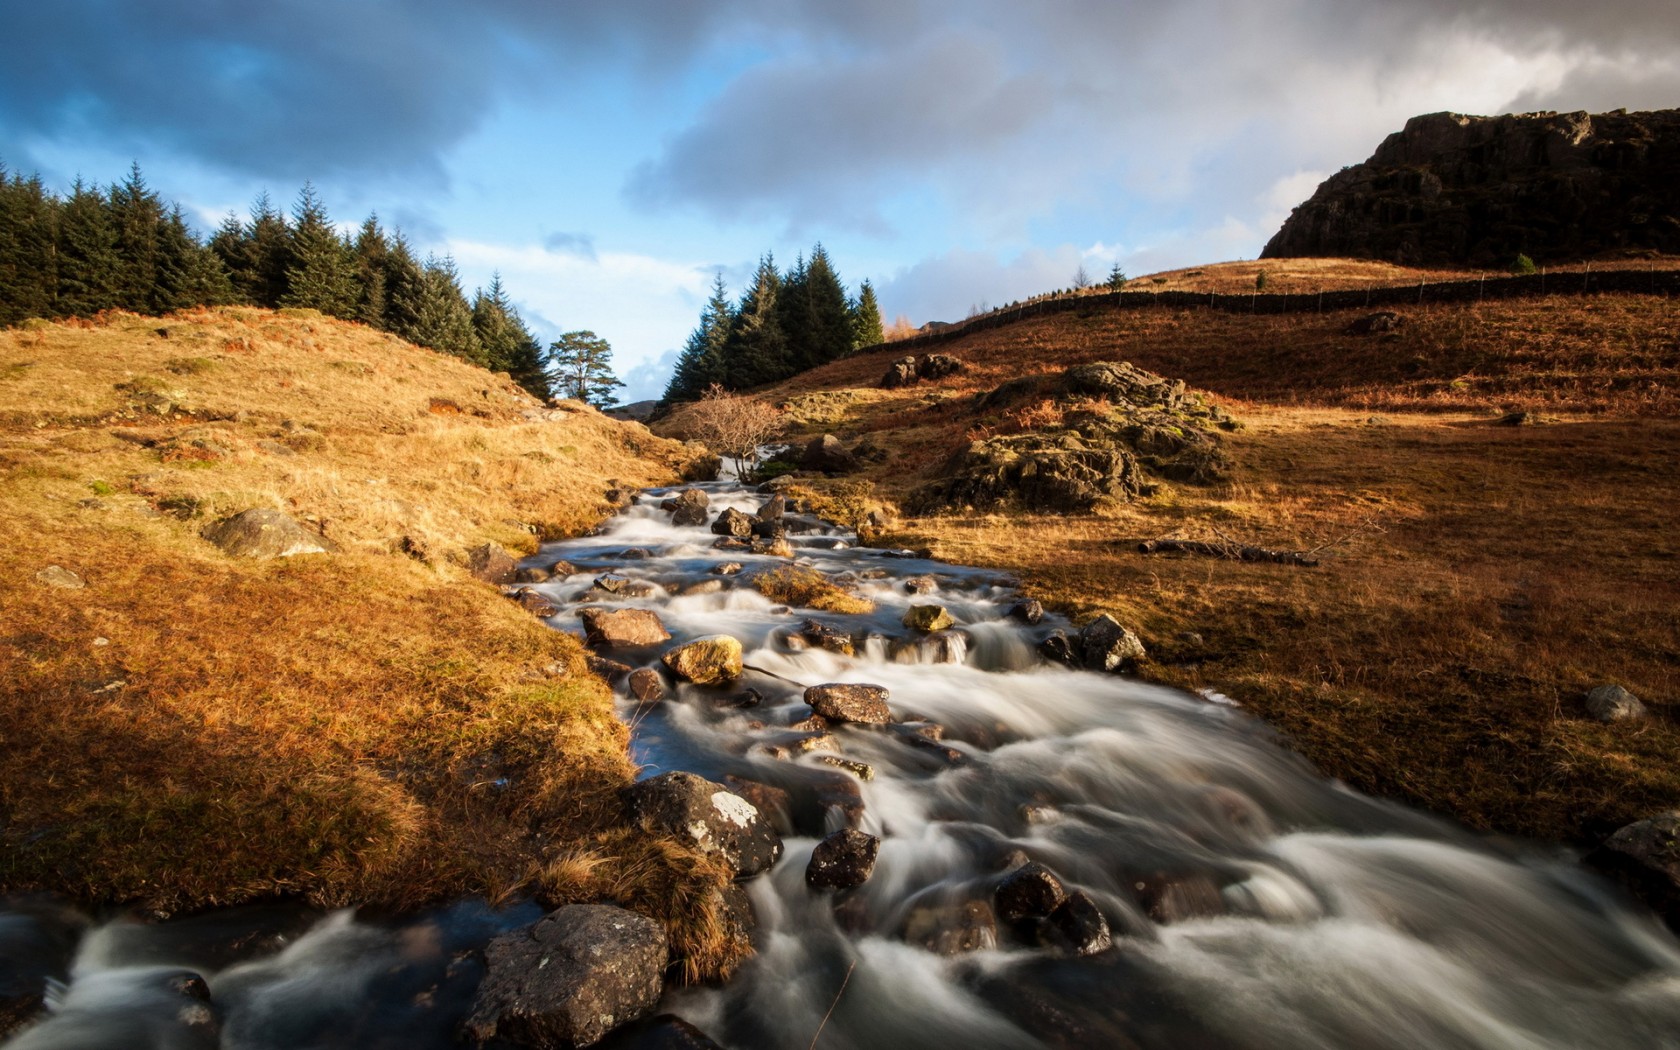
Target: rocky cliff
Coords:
[(1459, 190)]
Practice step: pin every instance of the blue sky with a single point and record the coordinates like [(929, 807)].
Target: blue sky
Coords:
[(607, 159)]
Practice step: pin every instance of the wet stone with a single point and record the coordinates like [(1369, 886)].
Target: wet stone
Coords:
[(1169, 897), (921, 585), (811, 724), (690, 507), (817, 742), (733, 522), (849, 702), (706, 661), (664, 1032), (531, 574), (1028, 611), (728, 568), (772, 803), (562, 569), (730, 543), (1031, 891), (861, 770), (842, 860), (707, 815), (928, 618), (635, 554), (1076, 927), (622, 628), (534, 603), (952, 928), (647, 686), (611, 670), (827, 636), (702, 587)]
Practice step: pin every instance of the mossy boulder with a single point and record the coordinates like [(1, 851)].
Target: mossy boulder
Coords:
[(706, 661)]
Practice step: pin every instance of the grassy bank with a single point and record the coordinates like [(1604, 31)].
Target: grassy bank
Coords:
[(188, 729), (1477, 578)]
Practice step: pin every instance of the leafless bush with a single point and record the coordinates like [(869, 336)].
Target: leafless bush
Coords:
[(733, 425)]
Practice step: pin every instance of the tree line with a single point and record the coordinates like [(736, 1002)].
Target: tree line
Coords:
[(784, 323), (123, 247)]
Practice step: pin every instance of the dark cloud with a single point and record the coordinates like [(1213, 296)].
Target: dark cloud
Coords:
[(581, 245)]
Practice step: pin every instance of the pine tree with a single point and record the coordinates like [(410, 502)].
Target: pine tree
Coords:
[(370, 256), (580, 367), (137, 219), (830, 335), (703, 360), (231, 244), (188, 273), (28, 263), (88, 266), (270, 254), (797, 322), (405, 287), (508, 345), (866, 319), (756, 350), (319, 274), (442, 318)]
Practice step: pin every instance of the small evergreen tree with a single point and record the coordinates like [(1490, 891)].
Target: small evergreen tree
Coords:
[(580, 367), (1116, 278), (1523, 266), (405, 288), (866, 319), (319, 273), (703, 362), (270, 252)]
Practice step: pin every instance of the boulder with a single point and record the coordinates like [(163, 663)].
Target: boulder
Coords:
[(647, 686), (264, 533), (1124, 383), (622, 628), (534, 603), (1059, 649), (1105, 645), (60, 577), (707, 815), (921, 585), (773, 804), (1612, 703), (827, 636), (1645, 857), (562, 569), (531, 574), (773, 509), (1375, 324), (1062, 472), (900, 373), (712, 660), (1076, 927), (1031, 891), (690, 507), (842, 860), (1027, 611), (733, 522), (938, 366), (828, 455), (570, 978), (928, 618), (848, 702)]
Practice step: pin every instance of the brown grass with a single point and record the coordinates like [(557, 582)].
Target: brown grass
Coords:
[(1486, 575), (370, 726)]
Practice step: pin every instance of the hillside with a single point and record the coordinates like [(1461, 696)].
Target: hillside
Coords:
[(1450, 189), (1476, 578), (183, 728)]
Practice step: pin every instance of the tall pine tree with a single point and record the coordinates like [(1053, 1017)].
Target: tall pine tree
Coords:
[(866, 319), (188, 273), (829, 336), (137, 219), (442, 318), (28, 262), (370, 257), (756, 350), (508, 345), (703, 360), (320, 274), (88, 265)]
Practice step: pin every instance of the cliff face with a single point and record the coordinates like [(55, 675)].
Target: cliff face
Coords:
[(1458, 190)]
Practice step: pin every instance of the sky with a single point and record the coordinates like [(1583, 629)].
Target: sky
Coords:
[(608, 159)]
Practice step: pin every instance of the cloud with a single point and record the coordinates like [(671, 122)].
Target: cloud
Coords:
[(581, 245), (648, 380)]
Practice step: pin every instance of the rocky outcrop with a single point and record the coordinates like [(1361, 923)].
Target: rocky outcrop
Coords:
[(908, 370), (264, 533), (1451, 189), (708, 816), (570, 978), (1112, 429)]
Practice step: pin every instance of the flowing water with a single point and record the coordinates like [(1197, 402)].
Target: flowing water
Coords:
[(1253, 904)]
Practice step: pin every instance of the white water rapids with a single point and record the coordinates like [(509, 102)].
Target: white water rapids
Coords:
[(1253, 903)]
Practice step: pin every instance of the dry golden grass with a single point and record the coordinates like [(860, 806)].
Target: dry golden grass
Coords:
[(370, 726), (1486, 575), (808, 589)]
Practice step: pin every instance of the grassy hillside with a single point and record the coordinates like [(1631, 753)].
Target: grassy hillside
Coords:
[(1478, 579), (371, 725)]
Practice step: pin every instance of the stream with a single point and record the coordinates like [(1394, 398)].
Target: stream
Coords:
[(1251, 902)]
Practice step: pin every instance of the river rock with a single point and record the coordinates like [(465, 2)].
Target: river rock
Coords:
[(702, 587), (1076, 927), (1105, 645), (611, 670), (778, 547), (712, 660), (663, 1032), (647, 686), (928, 618), (623, 586), (561, 569), (570, 978), (690, 507), (728, 568), (1031, 891), (921, 585), (733, 522), (1027, 610), (773, 509), (826, 636), (842, 860), (952, 928), (534, 603), (828, 455), (1169, 897), (622, 628), (1645, 857), (707, 815), (60, 577), (264, 533), (1058, 648), (773, 804), (531, 574), (849, 702), (1612, 703)]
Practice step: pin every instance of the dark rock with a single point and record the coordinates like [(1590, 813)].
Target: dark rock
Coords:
[(647, 686), (732, 522), (952, 928), (739, 701), (664, 1032), (842, 860), (921, 585), (1612, 703), (1058, 648), (531, 574), (927, 618), (611, 670), (570, 978), (562, 569), (534, 603), (1076, 927), (707, 815), (1376, 324), (1027, 610), (635, 553), (1519, 419), (900, 373), (846, 702), (1645, 857), (827, 636), (264, 533), (626, 628), (38, 940), (773, 509), (1105, 645), (828, 455), (1169, 897), (1031, 891), (728, 568), (861, 770), (690, 507), (773, 803), (706, 661), (1124, 383), (938, 366)]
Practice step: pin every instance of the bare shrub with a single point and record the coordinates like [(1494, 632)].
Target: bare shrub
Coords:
[(734, 425)]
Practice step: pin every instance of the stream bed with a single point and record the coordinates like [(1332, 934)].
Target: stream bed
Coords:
[(1250, 903)]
